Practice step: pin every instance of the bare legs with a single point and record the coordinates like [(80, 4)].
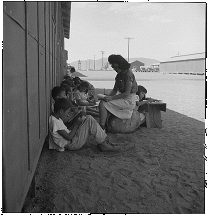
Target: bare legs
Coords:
[(103, 114)]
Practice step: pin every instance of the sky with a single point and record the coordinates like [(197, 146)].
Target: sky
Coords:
[(157, 30)]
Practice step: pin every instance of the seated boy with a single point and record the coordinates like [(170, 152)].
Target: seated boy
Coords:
[(57, 92), (68, 85), (60, 92), (61, 138)]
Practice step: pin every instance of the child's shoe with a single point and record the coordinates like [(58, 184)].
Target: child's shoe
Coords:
[(108, 146)]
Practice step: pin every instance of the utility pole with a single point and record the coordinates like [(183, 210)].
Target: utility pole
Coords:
[(102, 58), (94, 62), (79, 65), (128, 38)]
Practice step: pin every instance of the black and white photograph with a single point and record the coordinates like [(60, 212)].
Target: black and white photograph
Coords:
[(103, 107)]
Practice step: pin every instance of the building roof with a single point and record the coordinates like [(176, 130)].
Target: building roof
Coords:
[(136, 62), (66, 11), (186, 57), (155, 64)]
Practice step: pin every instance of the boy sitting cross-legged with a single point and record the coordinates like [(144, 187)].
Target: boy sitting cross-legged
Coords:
[(61, 138)]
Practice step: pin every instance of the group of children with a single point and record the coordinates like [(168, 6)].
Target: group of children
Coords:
[(72, 119), (81, 93)]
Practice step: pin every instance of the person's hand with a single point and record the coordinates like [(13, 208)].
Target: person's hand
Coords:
[(107, 98), (79, 120), (150, 100)]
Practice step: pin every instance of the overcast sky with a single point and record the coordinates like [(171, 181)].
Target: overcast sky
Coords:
[(159, 30)]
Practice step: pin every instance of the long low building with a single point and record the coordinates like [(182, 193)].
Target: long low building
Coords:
[(34, 61), (184, 64)]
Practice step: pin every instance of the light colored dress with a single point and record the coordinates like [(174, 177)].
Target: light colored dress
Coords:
[(122, 108)]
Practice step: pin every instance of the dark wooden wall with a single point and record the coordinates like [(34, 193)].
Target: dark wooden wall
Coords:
[(34, 61)]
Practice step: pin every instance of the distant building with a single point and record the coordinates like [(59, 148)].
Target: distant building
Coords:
[(135, 66), (156, 67), (184, 64)]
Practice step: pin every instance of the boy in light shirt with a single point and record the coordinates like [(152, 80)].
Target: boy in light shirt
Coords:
[(61, 138)]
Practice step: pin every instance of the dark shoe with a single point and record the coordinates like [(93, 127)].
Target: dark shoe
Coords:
[(108, 146)]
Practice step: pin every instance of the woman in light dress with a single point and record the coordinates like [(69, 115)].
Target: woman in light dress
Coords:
[(122, 99)]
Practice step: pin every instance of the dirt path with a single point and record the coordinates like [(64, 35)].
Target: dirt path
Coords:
[(164, 173)]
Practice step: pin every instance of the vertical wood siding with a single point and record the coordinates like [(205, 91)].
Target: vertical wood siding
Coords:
[(33, 62)]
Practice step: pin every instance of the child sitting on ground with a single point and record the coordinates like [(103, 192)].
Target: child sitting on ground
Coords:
[(60, 92), (61, 138), (82, 99), (90, 89), (91, 92), (57, 92), (68, 85)]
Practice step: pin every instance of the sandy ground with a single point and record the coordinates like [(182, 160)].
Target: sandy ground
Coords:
[(164, 173)]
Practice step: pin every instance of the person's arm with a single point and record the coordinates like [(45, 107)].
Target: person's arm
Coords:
[(128, 85), (91, 101), (146, 101), (69, 136), (114, 90), (140, 103), (152, 100), (80, 102)]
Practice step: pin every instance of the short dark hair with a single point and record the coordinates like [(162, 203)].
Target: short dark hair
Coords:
[(67, 77), (76, 80), (72, 69), (56, 91), (66, 87), (141, 89), (84, 84), (62, 104), (118, 59), (68, 82)]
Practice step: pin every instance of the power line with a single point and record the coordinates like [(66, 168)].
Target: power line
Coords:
[(94, 62), (128, 38)]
